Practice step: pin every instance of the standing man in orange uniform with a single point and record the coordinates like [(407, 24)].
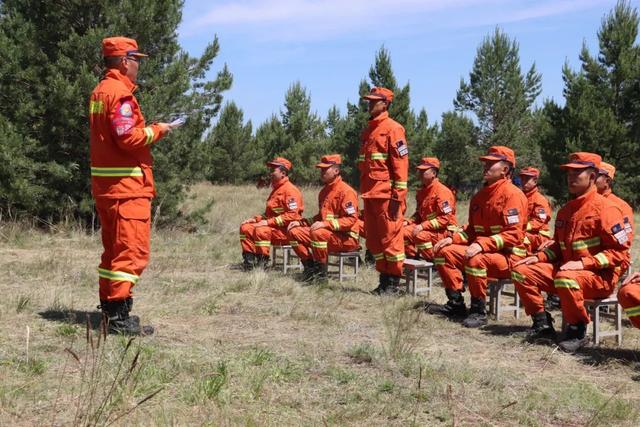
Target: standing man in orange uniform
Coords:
[(122, 181), (590, 244), (384, 167), (497, 215), (284, 205), (435, 212), (538, 211), (333, 229)]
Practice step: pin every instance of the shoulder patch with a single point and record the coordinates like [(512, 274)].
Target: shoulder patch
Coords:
[(349, 208), (620, 233), (402, 148), (126, 109), (445, 207), (542, 214), (292, 204), (512, 216)]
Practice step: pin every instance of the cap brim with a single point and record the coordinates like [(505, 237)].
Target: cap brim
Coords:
[(374, 98), (528, 174), (325, 165), (138, 55), (425, 167), (276, 165), (492, 158), (574, 166)]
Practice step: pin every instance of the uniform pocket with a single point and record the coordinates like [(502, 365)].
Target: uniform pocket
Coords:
[(379, 173), (134, 226), (139, 208)]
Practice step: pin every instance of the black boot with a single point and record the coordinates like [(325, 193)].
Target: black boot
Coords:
[(552, 302), (368, 258), (575, 338), (248, 261), (477, 314), (394, 284), (119, 320), (263, 262), (383, 285), (309, 271), (322, 274), (454, 308), (542, 326)]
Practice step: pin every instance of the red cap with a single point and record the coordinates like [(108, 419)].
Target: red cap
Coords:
[(607, 169), (428, 163), (280, 162), (499, 152), (530, 171), (582, 160), (329, 160), (380, 93), (120, 46)]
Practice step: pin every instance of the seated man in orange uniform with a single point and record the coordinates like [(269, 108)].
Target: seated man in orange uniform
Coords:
[(333, 229), (483, 249), (590, 244), (538, 212), (435, 212), (283, 206)]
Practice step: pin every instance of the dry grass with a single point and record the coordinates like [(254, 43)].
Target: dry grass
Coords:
[(260, 349)]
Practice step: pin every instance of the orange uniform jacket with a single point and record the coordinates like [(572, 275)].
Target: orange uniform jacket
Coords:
[(283, 205), (496, 218), (626, 211), (121, 158), (383, 160), (435, 208), (590, 229), (338, 204), (539, 214)]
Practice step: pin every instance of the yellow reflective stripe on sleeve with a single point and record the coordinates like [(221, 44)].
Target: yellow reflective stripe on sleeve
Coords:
[(585, 244), (566, 283), (435, 224), (263, 243), (478, 228), (117, 276), (495, 228), (243, 237), (335, 224), (476, 272), (526, 240), (550, 254), (279, 220), (329, 217), (116, 172), (464, 236), (354, 234), (378, 257), (293, 243), (545, 233), (278, 210), (319, 245), (499, 241), (96, 107), (563, 246), (529, 226), (400, 185), (432, 215), (439, 261), (602, 259), (379, 156), (426, 245), (517, 277), (519, 251), (632, 311), (397, 257), (149, 132)]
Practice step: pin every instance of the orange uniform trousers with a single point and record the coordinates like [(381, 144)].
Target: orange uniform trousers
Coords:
[(450, 263), (571, 286), (629, 298), (421, 243), (384, 236), (126, 239), (258, 240), (321, 242)]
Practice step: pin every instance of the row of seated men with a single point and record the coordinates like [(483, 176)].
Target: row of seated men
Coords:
[(507, 236)]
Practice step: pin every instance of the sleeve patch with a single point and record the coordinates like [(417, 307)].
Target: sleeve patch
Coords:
[(512, 216), (542, 214), (620, 234), (627, 225), (446, 208), (402, 148), (349, 208), (123, 120), (292, 204)]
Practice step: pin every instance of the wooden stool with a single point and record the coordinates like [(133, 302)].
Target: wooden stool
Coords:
[(497, 289), (345, 258), (287, 254), (593, 307), (414, 269)]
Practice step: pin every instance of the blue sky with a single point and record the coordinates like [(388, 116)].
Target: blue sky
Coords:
[(329, 45)]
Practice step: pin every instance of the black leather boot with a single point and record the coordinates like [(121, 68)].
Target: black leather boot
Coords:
[(383, 284), (477, 314), (454, 308), (119, 320), (575, 338), (248, 261), (322, 274), (309, 271), (542, 326)]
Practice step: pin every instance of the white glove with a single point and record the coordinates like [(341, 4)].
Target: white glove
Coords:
[(177, 123)]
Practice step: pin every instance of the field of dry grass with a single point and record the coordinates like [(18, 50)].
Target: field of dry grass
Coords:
[(258, 348)]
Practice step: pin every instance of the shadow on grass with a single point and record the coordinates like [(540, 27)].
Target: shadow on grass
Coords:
[(600, 355), (73, 316), (501, 329)]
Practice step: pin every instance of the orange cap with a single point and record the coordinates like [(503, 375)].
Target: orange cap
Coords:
[(329, 160), (499, 152), (428, 163), (607, 169), (280, 162), (120, 46), (380, 93), (582, 160), (530, 171)]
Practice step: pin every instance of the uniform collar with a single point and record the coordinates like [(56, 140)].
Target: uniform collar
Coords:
[(336, 181), (586, 197), (379, 118), (280, 183), (532, 192), (606, 193), (493, 187), (115, 74), (430, 186)]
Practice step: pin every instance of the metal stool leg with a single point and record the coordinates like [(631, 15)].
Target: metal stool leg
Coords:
[(595, 315), (619, 324)]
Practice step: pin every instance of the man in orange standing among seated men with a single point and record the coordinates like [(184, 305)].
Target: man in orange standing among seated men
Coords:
[(284, 205), (590, 244), (497, 215), (333, 229), (435, 212), (538, 213)]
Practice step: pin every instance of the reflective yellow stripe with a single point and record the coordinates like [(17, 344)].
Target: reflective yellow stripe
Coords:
[(279, 220), (632, 311), (265, 243), (476, 272), (278, 210), (354, 235), (545, 233), (563, 246), (435, 224), (335, 224), (426, 245), (400, 185), (149, 132), (464, 236), (379, 156), (96, 107), (378, 257), (495, 228), (526, 240), (116, 172), (319, 245), (519, 251), (293, 243), (550, 254), (566, 283), (515, 276), (585, 244), (361, 158), (499, 241), (243, 237), (432, 215), (439, 261), (478, 228), (329, 217), (398, 257), (602, 259), (118, 276), (529, 226)]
